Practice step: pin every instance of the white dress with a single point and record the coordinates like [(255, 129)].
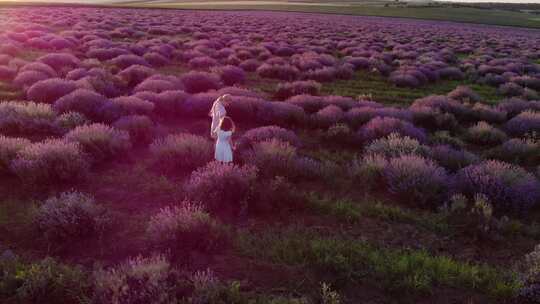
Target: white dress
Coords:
[(218, 112), (223, 146)]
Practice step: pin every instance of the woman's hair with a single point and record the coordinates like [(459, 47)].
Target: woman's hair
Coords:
[(227, 124)]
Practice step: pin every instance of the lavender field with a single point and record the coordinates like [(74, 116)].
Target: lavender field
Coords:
[(376, 160)]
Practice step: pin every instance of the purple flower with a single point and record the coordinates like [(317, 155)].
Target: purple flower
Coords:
[(443, 104), (100, 141), (402, 79), (156, 85), (182, 152), (231, 75), (270, 132), (280, 113), (483, 133), (28, 78), (310, 104), (197, 82), (7, 73), (212, 185), (156, 59), (508, 187), (83, 101), (203, 62), (286, 90), (451, 73), (486, 113), (464, 94), (451, 158), (139, 127), (383, 126), (514, 106), (104, 54), (250, 65), (525, 122), (49, 90), (49, 162), (283, 72), (69, 216), (127, 60), (510, 89), (125, 105), (9, 147), (60, 61), (17, 118), (136, 74), (416, 179), (328, 116), (396, 145), (324, 74)]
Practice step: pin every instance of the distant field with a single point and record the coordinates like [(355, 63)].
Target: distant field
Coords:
[(416, 9)]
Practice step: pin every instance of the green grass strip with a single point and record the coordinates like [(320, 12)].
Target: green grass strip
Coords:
[(352, 212), (396, 269)]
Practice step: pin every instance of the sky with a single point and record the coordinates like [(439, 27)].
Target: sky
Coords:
[(109, 1)]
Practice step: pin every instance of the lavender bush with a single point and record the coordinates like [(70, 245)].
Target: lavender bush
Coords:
[(212, 186), (70, 120), (197, 82), (29, 118), (508, 187), (445, 138), (139, 127), (453, 159), (231, 75), (138, 280), (182, 152), (156, 86), (417, 179), (517, 150), (380, 127), (484, 134), (50, 162), (310, 104), (289, 89), (395, 145), (183, 228), (69, 216), (328, 116), (277, 158), (100, 141), (9, 147), (136, 74), (340, 134), (486, 113), (525, 122), (282, 72), (84, 101), (464, 94), (49, 90), (124, 106), (26, 79), (269, 132)]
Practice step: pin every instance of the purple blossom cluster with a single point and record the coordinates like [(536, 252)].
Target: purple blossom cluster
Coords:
[(179, 152), (104, 85), (417, 178), (213, 183), (100, 141), (383, 126), (508, 187)]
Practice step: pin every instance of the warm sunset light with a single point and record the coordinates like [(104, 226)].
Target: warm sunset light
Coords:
[(269, 152)]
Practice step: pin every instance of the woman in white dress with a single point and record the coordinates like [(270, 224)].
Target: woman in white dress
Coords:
[(224, 133), (217, 112)]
